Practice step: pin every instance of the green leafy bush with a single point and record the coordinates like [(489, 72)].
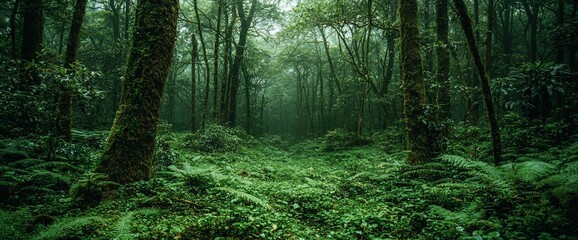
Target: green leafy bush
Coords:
[(341, 139), (217, 138)]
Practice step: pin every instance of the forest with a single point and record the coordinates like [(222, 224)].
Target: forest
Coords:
[(288, 119)]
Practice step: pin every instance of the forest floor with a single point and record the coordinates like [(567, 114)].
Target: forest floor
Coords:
[(227, 185)]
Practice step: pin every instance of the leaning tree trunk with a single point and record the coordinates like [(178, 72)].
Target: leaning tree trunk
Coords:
[(128, 154), (414, 88), (466, 22), (65, 101)]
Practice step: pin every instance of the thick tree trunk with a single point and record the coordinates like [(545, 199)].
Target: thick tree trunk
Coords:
[(239, 55), (466, 23), (65, 102), (32, 37), (443, 97), (128, 154), (114, 19), (413, 84), (194, 56)]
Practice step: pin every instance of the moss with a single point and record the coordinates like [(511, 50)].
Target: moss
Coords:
[(129, 150)]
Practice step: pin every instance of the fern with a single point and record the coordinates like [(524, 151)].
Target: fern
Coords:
[(247, 197), (70, 227), (533, 171), (123, 227)]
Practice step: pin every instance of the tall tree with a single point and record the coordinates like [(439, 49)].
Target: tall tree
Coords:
[(65, 101), (443, 98), (216, 60), (413, 84), (207, 69), (128, 154), (13, 15), (246, 21), (32, 37), (466, 23), (194, 56)]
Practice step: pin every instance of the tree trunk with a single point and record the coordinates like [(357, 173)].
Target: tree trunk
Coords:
[(207, 69), (194, 56), (507, 36), (216, 61), (466, 23), (127, 9), (443, 97), (489, 35), (532, 13), (226, 81), (65, 101), (128, 154), (114, 19), (32, 37), (413, 84), (13, 44), (239, 55), (249, 117), (560, 22)]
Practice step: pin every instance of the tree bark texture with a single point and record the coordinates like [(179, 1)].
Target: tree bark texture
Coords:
[(128, 154), (466, 23), (65, 101), (413, 84)]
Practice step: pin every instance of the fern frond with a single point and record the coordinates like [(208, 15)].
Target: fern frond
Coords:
[(25, 163), (123, 226), (50, 165), (459, 161), (70, 226), (246, 196), (533, 171)]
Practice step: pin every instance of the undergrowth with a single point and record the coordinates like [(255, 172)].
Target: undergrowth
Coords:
[(223, 184)]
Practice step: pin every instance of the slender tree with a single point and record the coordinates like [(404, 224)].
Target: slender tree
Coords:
[(246, 21), (413, 84), (65, 101), (207, 69), (466, 23), (128, 154), (194, 56)]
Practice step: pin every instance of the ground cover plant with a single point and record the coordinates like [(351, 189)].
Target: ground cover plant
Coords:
[(302, 191)]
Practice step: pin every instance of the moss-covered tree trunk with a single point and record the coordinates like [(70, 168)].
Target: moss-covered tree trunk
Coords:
[(194, 56), (466, 23), (414, 100), (65, 102), (128, 154)]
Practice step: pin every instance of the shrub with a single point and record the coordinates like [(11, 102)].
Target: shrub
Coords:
[(217, 138), (339, 139)]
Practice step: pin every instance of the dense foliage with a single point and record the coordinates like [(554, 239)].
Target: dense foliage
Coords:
[(263, 191), (289, 119)]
